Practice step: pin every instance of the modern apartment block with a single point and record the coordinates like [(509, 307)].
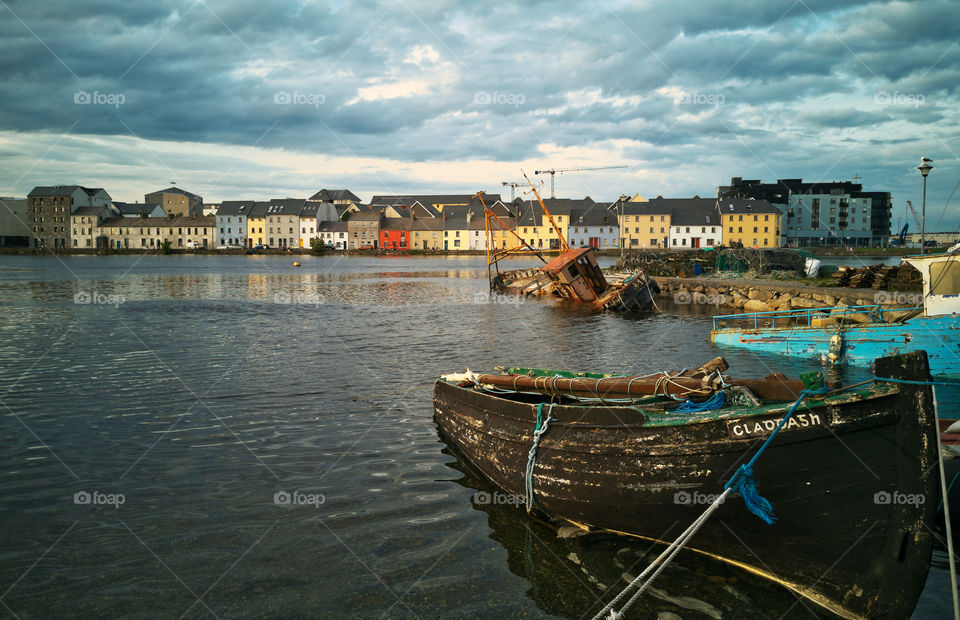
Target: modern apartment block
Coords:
[(821, 214)]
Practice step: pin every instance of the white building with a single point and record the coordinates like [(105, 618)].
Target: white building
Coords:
[(694, 222), (231, 230), (333, 234), (594, 226)]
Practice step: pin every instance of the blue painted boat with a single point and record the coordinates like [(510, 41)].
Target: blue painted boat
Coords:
[(858, 335)]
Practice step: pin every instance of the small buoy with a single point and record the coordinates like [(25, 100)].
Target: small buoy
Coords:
[(296, 264), (835, 351)]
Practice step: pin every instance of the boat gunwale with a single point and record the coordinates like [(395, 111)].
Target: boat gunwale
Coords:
[(666, 419)]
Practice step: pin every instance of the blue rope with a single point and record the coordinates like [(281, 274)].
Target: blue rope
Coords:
[(915, 382), (714, 402), (532, 455), (743, 483)]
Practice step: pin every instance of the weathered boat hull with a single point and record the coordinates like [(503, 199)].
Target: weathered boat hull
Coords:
[(836, 541), (635, 294), (939, 336)]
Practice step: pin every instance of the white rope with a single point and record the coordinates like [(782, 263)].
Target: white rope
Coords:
[(660, 563)]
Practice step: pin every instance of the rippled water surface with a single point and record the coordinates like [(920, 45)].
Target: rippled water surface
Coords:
[(200, 388)]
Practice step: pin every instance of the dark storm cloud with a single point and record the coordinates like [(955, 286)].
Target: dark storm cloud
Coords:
[(444, 81)]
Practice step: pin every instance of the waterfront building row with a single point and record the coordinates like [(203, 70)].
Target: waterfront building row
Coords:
[(745, 212)]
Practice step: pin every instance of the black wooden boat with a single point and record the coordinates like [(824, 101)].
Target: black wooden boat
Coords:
[(851, 477)]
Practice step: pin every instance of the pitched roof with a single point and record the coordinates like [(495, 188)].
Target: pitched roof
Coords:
[(427, 224), (175, 190), (395, 223), (236, 207), (285, 206), (58, 190), (135, 208), (366, 216), (333, 195), (653, 207), (160, 222), (429, 199), (730, 205), (310, 209), (596, 215), (689, 211), (85, 210), (258, 209), (327, 226)]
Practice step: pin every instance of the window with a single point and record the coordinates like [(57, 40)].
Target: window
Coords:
[(755, 229), (739, 229)]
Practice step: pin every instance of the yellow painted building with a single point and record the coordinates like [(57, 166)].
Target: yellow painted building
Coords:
[(426, 234), (256, 224), (754, 223), (643, 224)]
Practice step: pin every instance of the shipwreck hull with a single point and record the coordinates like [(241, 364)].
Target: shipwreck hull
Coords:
[(836, 541)]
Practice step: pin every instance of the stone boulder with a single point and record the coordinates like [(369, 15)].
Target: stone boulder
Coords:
[(803, 303), (755, 305)]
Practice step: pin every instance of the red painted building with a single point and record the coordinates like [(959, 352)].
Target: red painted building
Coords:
[(395, 234)]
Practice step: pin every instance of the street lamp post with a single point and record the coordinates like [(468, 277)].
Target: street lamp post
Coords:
[(924, 169)]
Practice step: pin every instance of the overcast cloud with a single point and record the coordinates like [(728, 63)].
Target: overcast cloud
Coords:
[(246, 99)]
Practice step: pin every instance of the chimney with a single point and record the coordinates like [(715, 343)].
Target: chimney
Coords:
[(469, 216)]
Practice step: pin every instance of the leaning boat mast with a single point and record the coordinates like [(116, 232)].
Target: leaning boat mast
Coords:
[(563, 242), (487, 214)]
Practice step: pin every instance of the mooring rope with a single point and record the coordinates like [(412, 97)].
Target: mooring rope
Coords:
[(541, 428)]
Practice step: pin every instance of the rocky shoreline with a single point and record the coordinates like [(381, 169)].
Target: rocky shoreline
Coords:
[(766, 296)]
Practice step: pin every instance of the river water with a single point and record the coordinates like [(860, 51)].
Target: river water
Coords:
[(233, 436)]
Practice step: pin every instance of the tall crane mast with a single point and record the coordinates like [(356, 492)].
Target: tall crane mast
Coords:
[(916, 217), (553, 172), (513, 188)]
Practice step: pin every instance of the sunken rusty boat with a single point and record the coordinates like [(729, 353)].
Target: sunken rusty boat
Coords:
[(851, 475), (575, 275)]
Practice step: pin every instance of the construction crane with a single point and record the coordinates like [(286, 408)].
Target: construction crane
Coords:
[(554, 171), (513, 188), (916, 218)]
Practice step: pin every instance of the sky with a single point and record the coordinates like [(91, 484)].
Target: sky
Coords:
[(250, 99)]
